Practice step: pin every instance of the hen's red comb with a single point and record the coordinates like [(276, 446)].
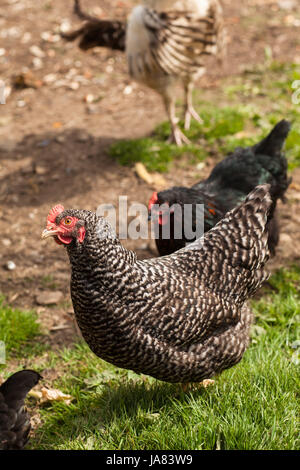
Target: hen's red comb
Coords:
[(153, 200), (55, 211)]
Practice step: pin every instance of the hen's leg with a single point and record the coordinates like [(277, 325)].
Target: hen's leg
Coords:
[(189, 108), (177, 136)]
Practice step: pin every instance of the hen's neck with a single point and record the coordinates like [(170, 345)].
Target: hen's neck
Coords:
[(107, 254)]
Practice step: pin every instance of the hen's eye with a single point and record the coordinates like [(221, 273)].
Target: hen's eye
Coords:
[(68, 221)]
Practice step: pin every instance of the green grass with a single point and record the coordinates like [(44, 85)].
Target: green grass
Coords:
[(281, 307), (154, 152), (157, 154), (253, 405), (250, 104), (18, 330), (48, 282)]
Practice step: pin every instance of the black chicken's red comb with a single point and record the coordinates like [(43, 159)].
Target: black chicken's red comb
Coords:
[(153, 200)]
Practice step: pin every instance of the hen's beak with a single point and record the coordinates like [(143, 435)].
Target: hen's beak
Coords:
[(49, 233)]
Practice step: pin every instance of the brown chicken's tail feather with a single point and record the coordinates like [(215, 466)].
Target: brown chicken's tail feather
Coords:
[(96, 32)]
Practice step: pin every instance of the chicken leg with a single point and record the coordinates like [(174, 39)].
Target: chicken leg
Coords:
[(177, 136), (190, 111)]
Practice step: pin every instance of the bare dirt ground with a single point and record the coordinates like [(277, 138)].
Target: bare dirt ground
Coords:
[(53, 143)]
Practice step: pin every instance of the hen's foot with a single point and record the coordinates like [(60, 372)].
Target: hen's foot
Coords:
[(186, 387), (177, 137), (189, 114)]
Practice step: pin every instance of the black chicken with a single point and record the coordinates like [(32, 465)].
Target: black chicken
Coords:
[(228, 185), (180, 318), (14, 420)]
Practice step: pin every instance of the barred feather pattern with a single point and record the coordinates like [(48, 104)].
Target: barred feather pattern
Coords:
[(14, 420), (172, 43), (179, 318)]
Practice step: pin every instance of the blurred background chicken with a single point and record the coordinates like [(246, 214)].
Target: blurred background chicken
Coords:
[(166, 42)]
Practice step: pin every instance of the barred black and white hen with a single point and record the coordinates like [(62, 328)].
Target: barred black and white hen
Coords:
[(228, 185), (179, 318), (14, 420), (165, 41)]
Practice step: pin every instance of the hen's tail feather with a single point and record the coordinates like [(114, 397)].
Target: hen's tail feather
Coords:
[(272, 146), (104, 33), (247, 227), (273, 143), (97, 33), (14, 420), (83, 16), (236, 249), (18, 385)]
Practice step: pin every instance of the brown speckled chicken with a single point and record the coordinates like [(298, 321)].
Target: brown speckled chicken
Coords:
[(166, 42), (14, 419), (179, 318)]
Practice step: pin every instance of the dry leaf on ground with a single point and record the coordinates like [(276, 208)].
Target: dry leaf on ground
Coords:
[(47, 394), (153, 179)]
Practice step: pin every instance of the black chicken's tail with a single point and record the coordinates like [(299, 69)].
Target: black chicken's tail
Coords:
[(97, 33), (14, 420), (272, 144)]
